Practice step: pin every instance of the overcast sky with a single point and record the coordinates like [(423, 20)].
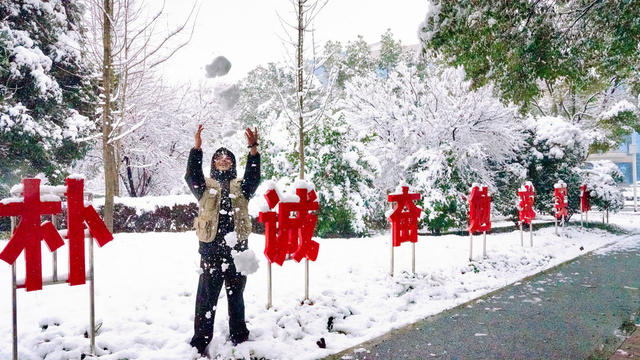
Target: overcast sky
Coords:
[(249, 32)]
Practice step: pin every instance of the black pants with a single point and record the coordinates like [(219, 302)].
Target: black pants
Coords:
[(209, 286)]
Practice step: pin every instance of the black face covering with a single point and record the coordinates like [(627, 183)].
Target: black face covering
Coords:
[(223, 176)]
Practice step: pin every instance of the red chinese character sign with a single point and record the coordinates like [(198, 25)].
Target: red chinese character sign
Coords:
[(479, 215), (289, 230), (404, 221), (479, 209), (585, 203), (77, 216), (527, 195), (404, 216), (560, 202), (30, 232), (526, 214)]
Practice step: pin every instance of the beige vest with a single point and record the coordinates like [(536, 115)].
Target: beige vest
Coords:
[(206, 224)]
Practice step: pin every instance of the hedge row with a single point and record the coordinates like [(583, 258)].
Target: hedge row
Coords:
[(176, 218)]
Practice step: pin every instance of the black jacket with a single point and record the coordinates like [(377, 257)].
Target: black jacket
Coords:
[(195, 180)]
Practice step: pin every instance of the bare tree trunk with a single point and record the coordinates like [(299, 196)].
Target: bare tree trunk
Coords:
[(300, 87), (110, 174), (132, 189)]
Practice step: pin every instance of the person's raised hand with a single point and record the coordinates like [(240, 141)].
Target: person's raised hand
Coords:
[(252, 139), (198, 142)]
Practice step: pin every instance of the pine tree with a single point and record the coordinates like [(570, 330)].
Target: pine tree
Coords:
[(46, 94)]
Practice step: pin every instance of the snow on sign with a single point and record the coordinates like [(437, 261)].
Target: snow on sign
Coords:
[(526, 213), (479, 215), (289, 230), (404, 221)]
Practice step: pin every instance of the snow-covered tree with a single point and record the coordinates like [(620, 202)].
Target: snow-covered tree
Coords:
[(428, 127), (354, 59), (126, 41), (306, 105), (336, 161), (555, 150), (602, 179), (571, 48), (47, 99)]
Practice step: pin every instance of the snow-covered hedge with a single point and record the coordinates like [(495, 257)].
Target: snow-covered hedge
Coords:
[(153, 213)]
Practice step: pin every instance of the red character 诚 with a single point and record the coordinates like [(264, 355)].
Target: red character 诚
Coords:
[(289, 232), (561, 201)]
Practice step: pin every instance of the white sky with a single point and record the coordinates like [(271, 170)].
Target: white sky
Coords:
[(249, 32)]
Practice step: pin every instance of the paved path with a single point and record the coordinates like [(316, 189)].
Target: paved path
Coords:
[(570, 312)]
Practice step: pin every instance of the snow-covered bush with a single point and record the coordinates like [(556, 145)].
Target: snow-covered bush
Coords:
[(555, 151), (430, 127), (343, 171), (602, 179)]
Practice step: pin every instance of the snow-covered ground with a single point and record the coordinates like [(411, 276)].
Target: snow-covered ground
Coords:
[(146, 283)]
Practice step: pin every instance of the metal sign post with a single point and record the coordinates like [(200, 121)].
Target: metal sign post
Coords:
[(484, 244), (521, 236), (269, 282), (92, 301), (54, 281), (413, 258), (470, 246), (391, 258), (306, 279), (531, 233), (14, 300)]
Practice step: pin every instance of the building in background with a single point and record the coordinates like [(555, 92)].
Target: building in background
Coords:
[(623, 157)]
